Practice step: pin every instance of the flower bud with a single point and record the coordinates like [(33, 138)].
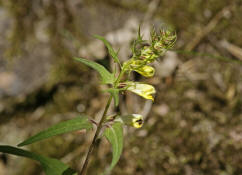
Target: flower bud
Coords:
[(163, 41), (148, 55), (146, 71), (140, 67)]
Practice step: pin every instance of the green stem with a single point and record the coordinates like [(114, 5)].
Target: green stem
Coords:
[(119, 77), (84, 168)]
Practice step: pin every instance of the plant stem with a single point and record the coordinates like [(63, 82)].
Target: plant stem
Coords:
[(119, 77), (84, 168)]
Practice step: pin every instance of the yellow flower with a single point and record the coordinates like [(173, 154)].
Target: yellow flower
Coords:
[(146, 71), (135, 120), (144, 90), (140, 66)]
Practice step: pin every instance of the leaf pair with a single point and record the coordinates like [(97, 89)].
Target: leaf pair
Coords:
[(50, 166), (114, 135)]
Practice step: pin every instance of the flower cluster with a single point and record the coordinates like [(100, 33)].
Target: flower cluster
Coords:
[(145, 53)]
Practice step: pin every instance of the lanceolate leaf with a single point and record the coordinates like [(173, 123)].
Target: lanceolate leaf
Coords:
[(50, 166), (110, 49), (115, 94), (114, 134), (78, 123), (107, 77)]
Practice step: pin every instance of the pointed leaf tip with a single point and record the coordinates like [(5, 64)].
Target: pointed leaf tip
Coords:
[(106, 76), (111, 51), (114, 135), (50, 166), (78, 123)]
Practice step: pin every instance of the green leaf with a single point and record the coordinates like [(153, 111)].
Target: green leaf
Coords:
[(115, 94), (114, 135), (78, 123), (50, 166), (107, 77), (110, 49)]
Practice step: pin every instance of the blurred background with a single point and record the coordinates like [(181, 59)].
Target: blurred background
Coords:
[(194, 127)]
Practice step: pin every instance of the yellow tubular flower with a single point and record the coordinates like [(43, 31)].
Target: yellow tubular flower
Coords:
[(135, 120), (140, 67), (144, 90), (146, 71)]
